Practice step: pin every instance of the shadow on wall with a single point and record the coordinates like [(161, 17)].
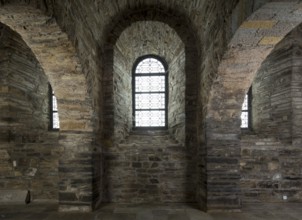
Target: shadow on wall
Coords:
[(145, 167), (271, 157), (29, 152)]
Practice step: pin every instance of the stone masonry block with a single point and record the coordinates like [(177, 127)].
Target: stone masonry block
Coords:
[(263, 24), (13, 196), (270, 40), (3, 89), (72, 125)]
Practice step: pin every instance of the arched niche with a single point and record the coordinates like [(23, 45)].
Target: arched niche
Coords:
[(165, 36)]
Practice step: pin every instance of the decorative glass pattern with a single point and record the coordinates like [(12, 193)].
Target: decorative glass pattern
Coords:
[(55, 120), (54, 115), (245, 113), (149, 95), (150, 65), (54, 103), (150, 101), (245, 103), (150, 118), (244, 120), (150, 84)]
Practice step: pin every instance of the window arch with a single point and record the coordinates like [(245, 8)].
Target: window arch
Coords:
[(150, 92)]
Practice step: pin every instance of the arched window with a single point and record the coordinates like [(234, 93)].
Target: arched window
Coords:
[(53, 110), (246, 116), (150, 93)]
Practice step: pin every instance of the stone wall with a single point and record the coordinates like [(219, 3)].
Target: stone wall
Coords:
[(150, 167), (270, 161), (29, 153), (44, 5), (4, 63), (122, 92), (205, 28), (94, 29), (276, 92), (59, 60), (270, 170), (177, 100), (271, 92), (147, 168), (143, 38), (296, 88)]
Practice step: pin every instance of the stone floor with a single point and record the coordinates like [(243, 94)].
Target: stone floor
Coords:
[(285, 211)]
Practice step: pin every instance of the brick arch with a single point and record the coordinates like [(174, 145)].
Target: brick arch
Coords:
[(57, 58), (252, 43), (177, 20), (185, 29)]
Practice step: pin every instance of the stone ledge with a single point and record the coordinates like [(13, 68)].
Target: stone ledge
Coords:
[(76, 207), (270, 40), (13, 196), (263, 24)]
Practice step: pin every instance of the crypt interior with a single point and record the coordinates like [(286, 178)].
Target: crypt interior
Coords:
[(151, 102)]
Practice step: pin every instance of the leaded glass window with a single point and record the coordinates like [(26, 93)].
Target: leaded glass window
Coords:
[(246, 111), (54, 115), (150, 93)]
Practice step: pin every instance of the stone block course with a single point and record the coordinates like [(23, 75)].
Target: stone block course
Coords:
[(266, 172), (205, 96), (260, 24), (151, 169), (270, 40), (29, 152)]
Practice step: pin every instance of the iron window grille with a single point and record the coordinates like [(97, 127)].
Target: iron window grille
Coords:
[(246, 113), (53, 110), (150, 93)]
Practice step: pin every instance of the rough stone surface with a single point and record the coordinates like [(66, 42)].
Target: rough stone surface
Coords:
[(238, 67), (150, 167), (181, 211), (13, 197), (145, 38), (270, 165), (28, 152), (270, 170), (276, 105), (271, 88), (77, 45), (57, 58), (150, 38)]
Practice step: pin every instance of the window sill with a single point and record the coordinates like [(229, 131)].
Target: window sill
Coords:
[(247, 131), (53, 130), (150, 132)]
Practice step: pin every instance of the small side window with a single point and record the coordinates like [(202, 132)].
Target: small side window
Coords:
[(246, 111), (150, 88), (54, 115)]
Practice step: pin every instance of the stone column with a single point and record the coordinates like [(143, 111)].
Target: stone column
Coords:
[(222, 165)]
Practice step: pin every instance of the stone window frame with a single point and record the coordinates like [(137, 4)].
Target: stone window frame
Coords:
[(51, 109), (248, 110), (166, 74)]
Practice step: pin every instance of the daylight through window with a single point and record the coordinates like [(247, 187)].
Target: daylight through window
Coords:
[(246, 111), (150, 93), (54, 115)]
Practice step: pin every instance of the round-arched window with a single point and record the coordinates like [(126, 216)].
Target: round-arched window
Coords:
[(150, 98)]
